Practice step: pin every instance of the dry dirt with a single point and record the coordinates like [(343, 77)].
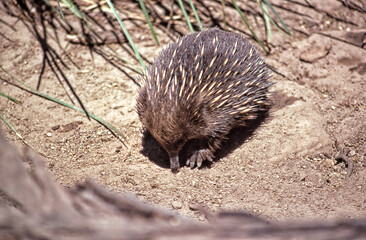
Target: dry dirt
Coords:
[(284, 168)]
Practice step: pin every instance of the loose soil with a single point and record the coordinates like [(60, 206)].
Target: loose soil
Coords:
[(284, 168)]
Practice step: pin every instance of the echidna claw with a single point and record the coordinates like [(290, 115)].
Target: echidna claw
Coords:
[(199, 162), (198, 157), (192, 163), (209, 158)]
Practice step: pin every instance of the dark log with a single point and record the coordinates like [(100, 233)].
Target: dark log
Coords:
[(33, 206)]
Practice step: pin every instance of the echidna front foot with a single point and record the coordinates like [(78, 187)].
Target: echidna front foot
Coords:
[(199, 156)]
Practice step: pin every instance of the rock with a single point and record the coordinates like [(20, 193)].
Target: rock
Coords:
[(70, 126), (351, 153), (328, 163), (303, 175), (56, 127), (314, 53), (194, 206), (177, 204)]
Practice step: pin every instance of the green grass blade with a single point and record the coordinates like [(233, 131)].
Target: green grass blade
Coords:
[(61, 13), (57, 12), (13, 129), (278, 16), (248, 26), (196, 15), (127, 35), (74, 9), (10, 98), (267, 21), (185, 15), (142, 5), (38, 93), (268, 17)]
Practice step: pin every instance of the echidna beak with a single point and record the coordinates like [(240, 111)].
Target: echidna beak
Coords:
[(174, 162)]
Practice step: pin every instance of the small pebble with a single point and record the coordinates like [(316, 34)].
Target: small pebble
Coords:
[(351, 153), (49, 134), (194, 206), (6, 45), (177, 204), (303, 175), (328, 163), (56, 127)]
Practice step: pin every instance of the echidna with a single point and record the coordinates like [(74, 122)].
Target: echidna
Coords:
[(199, 89)]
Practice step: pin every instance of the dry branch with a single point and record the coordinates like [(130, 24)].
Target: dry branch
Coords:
[(33, 206)]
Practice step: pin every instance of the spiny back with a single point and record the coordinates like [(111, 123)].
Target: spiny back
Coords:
[(221, 70)]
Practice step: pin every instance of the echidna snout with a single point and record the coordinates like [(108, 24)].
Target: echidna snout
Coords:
[(198, 89), (174, 162)]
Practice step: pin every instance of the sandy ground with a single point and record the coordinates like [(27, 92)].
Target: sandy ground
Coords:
[(284, 168)]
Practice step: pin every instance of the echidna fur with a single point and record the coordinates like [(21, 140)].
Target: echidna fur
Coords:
[(199, 89)]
